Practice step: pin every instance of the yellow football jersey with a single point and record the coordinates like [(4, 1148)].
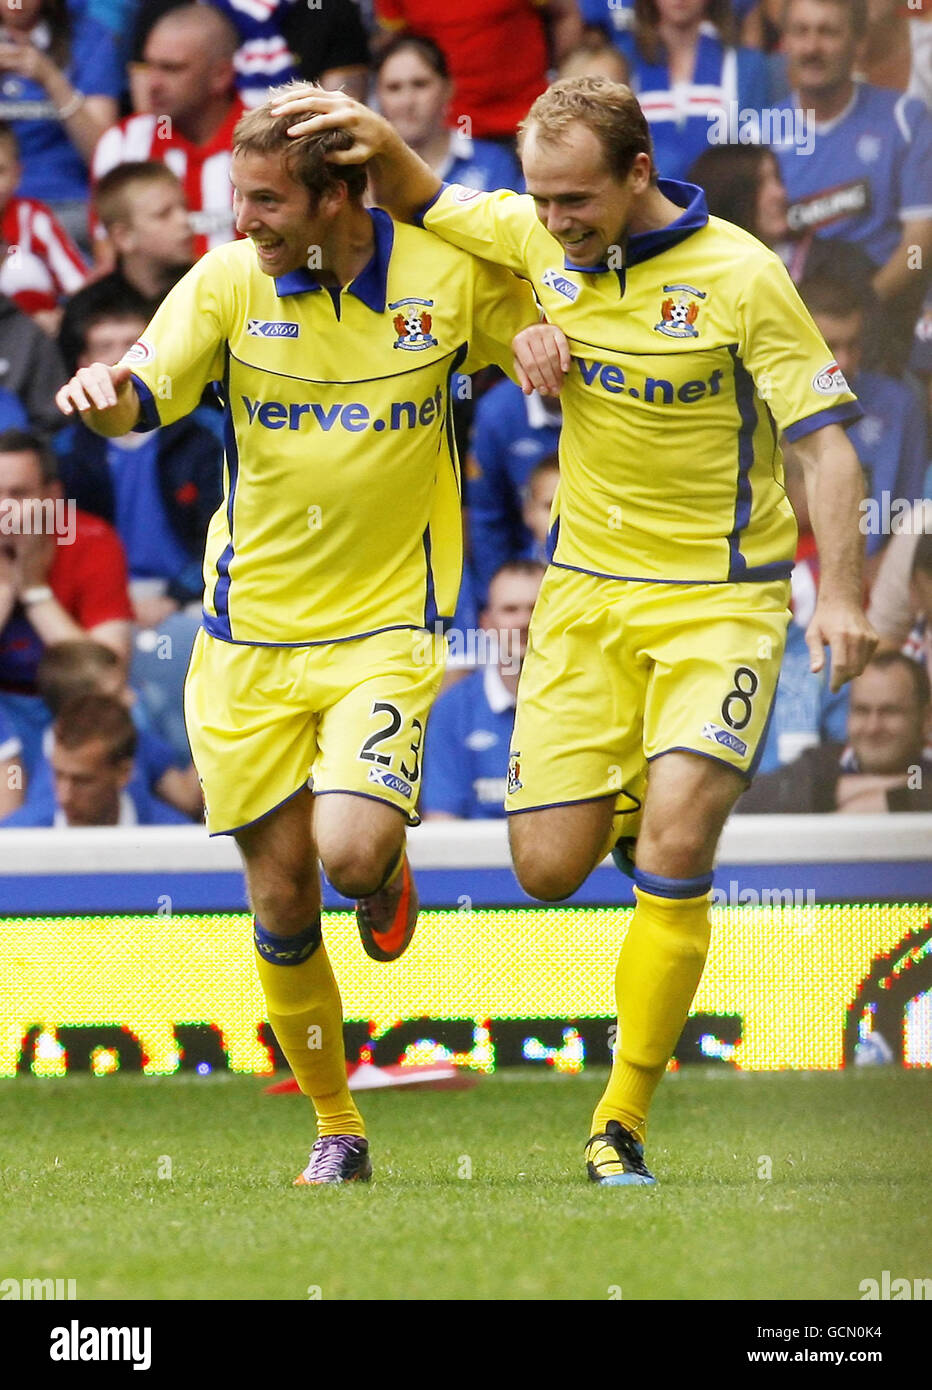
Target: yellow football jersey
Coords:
[(688, 360), (341, 510)]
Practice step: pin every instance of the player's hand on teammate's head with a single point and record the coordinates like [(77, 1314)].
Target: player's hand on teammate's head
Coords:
[(336, 111), (542, 358), (92, 388)]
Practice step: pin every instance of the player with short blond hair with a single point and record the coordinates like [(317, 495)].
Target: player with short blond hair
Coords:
[(657, 637)]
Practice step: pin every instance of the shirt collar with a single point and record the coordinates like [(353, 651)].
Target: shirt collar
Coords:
[(370, 284), (460, 147), (643, 245), (497, 694)]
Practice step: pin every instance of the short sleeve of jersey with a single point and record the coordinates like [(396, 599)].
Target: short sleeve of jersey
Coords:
[(496, 225), (792, 367), (915, 190), (502, 306), (182, 349)]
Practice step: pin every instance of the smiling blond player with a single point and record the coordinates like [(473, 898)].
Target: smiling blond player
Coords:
[(658, 634), (334, 334)]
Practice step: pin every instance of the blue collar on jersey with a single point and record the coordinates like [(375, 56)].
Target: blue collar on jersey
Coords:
[(369, 285), (643, 245)]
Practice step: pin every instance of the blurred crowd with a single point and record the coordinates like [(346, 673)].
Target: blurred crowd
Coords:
[(807, 122)]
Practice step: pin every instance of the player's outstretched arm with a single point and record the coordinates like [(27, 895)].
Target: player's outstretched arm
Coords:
[(104, 397), (401, 181), (542, 358), (835, 490)]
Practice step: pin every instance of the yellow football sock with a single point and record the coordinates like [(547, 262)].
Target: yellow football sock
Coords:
[(306, 1015), (658, 972)]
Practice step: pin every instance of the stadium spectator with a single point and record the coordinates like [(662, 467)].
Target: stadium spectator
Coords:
[(281, 41), (900, 603), (890, 437), (615, 17), (920, 365), (594, 56), (413, 88), (94, 742), (744, 185), (468, 736), (862, 172), (159, 489), (538, 498), (60, 80), (62, 576), (41, 264), (691, 79), (882, 767), (67, 672), (194, 107), (12, 779), (31, 368), (885, 58), (142, 207), (511, 434), (484, 39)]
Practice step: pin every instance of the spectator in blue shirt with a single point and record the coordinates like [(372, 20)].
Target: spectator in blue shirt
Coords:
[(11, 767), (158, 489), (537, 504), (468, 737), (862, 174), (511, 434), (691, 80), (60, 82), (94, 741), (413, 89), (890, 437)]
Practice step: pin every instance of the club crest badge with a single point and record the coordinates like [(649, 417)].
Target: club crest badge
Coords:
[(680, 311), (412, 325)]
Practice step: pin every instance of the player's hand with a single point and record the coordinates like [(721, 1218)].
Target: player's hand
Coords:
[(336, 111), (542, 358), (842, 627), (93, 388)]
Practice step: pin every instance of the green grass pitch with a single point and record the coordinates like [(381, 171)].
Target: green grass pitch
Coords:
[(477, 1194)]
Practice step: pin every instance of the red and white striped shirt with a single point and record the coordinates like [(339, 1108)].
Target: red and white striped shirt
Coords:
[(204, 170), (39, 255)]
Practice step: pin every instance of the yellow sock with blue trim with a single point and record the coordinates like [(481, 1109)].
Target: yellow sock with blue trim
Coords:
[(306, 1014), (659, 968)]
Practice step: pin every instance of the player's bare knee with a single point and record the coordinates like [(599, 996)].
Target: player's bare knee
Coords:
[(675, 850), (546, 879), (358, 870)]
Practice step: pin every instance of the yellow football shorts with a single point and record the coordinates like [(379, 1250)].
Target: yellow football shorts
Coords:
[(264, 722), (619, 672)]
